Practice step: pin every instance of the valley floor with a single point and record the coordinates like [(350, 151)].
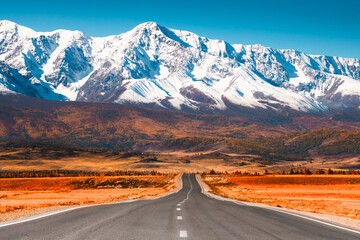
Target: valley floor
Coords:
[(176, 161)]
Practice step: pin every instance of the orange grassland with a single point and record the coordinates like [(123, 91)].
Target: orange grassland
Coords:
[(20, 197), (326, 194)]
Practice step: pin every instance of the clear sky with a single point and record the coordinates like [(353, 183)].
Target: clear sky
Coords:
[(325, 27)]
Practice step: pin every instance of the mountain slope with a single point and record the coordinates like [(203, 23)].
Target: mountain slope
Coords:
[(156, 66), (114, 127)]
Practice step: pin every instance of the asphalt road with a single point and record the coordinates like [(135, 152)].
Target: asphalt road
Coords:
[(186, 214)]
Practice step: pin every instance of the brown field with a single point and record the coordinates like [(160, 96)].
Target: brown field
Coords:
[(333, 195), (24, 159), (21, 197), (103, 161)]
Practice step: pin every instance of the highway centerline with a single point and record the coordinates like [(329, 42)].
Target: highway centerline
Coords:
[(188, 194), (183, 234)]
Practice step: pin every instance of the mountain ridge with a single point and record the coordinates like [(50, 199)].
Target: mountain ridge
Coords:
[(166, 68)]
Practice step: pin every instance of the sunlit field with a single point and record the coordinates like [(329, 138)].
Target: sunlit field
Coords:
[(27, 196), (326, 194)]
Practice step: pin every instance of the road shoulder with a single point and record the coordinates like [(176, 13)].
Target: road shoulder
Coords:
[(29, 215), (352, 224)]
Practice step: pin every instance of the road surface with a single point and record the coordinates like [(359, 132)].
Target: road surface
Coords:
[(187, 214)]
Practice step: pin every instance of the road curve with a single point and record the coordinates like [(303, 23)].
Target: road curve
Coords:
[(187, 214)]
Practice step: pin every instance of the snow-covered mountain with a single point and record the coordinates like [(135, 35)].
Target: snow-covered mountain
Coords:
[(167, 68)]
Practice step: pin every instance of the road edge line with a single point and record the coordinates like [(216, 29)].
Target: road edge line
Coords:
[(201, 182), (207, 193), (43, 215)]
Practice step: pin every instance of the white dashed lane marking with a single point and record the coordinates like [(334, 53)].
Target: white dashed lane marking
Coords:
[(183, 234), (188, 194)]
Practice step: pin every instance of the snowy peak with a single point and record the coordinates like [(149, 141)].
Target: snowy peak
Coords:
[(147, 26), (11, 28), (167, 68)]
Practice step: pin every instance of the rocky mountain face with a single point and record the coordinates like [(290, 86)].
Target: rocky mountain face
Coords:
[(156, 66)]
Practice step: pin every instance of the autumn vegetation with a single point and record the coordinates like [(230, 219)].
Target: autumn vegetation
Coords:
[(75, 173), (22, 196), (332, 194), (300, 171)]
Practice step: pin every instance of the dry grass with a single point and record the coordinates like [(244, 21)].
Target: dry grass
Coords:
[(168, 161), (333, 195), (21, 196)]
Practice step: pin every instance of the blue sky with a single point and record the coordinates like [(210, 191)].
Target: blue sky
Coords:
[(312, 26)]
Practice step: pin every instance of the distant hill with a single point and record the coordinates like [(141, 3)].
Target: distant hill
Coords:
[(113, 127)]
